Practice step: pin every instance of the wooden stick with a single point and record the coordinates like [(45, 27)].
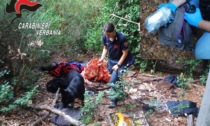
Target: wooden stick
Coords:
[(58, 112), (56, 98), (48, 113), (124, 19), (114, 15)]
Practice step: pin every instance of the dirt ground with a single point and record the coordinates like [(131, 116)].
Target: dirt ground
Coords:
[(150, 45), (144, 90)]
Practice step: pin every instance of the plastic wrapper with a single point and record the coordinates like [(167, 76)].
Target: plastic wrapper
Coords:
[(159, 18)]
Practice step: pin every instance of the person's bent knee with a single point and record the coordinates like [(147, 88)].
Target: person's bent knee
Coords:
[(202, 48)]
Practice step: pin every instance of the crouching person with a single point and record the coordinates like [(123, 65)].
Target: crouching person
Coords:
[(116, 45)]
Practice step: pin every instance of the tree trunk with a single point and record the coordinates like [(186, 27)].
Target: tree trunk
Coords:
[(204, 113)]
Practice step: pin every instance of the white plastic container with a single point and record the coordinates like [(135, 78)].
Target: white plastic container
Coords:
[(159, 18)]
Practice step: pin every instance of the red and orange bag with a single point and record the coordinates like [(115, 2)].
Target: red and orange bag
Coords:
[(96, 72)]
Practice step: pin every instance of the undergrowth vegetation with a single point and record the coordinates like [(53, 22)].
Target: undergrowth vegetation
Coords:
[(80, 24), (89, 110)]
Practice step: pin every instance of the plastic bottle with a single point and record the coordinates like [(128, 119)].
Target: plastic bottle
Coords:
[(159, 18)]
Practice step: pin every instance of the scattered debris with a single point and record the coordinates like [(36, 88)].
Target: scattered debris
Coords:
[(132, 118)]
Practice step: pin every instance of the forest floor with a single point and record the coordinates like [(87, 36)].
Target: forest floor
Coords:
[(145, 90)]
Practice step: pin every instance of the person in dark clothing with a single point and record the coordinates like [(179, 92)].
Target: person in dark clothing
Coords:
[(116, 45)]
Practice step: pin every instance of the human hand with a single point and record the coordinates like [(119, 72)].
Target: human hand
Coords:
[(169, 5), (115, 67), (100, 61), (193, 18)]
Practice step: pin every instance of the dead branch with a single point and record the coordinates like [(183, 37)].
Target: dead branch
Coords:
[(56, 97), (58, 112), (135, 74), (148, 75), (40, 119), (124, 19), (148, 79), (95, 89), (121, 18), (104, 88), (48, 113)]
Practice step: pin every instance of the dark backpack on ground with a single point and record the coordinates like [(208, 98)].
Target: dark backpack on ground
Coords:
[(204, 6), (178, 34), (180, 108)]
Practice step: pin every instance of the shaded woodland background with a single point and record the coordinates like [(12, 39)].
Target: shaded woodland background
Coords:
[(80, 22)]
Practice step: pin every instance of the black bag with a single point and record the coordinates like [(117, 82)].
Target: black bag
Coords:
[(180, 108), (178, 34), (72, 112)]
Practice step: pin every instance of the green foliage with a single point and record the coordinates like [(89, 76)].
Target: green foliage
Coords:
[(97, 124), (71, 18), (5, 93), (117, 89), (22, 51), (122, 109), (18, 57), (180, 107), (149, 112), (182, 93), (127, 107), (81, 25), (24, 100), (117, 92), (203, 78), (2, 73), (132, 106), (143, 65), (89, 109), (191, 65), (27, 79), (122, 13), (155, 103), (183, 82), (94, 32)]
